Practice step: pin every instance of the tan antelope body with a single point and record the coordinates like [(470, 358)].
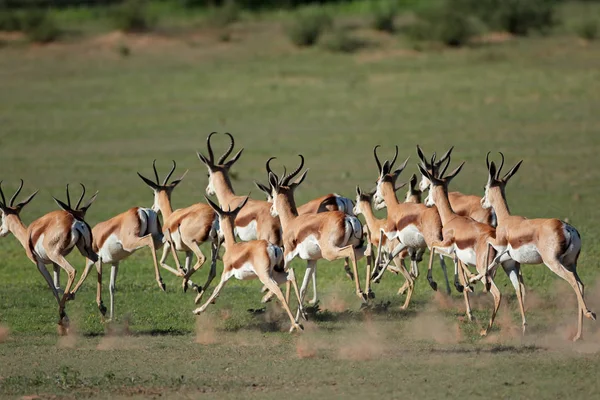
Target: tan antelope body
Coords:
[(328, 202), (50, 238), (376, 225), (330, 235), (185, 230), (466, 238), (116, 239), (534, 241), (254, 221), (249, 260), (415, 226)]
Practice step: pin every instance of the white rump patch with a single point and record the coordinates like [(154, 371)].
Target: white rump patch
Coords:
[(246, 271)]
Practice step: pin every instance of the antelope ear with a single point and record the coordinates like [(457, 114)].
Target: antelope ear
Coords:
[(234, 159), (178, 181), (148, 182), (424, 171), (454, 173), (204, 159), (399, 170), (512, 171), (89, 203), (273, 181), (214, 206), (262, 188), (413, 182), (242, 204), (421, 155), (296, 184), (445, 156), (27, 200), (492, 172), (62, 205), (357, 190), (400, 186)]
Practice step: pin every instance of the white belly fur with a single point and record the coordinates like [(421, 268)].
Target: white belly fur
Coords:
[(526, 254), (411, 237), (112, 250), (247, 232), (309, 249), (245, 272), (467, 256), (40, 251)]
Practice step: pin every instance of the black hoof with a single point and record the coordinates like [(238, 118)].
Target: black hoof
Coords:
[(460, 288), (198, 288), (102, 309), (488, 286), (163, 287), (433, 285), (371, 294)]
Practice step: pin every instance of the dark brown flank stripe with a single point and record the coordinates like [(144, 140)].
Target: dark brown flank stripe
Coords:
[(406, 221), (240, 257), (516, 242), (465, 243)]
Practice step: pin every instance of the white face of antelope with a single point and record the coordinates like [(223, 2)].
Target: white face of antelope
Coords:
[(357, 207), (424, 184), (274, 212), (485, 200), (210, 188), (4, 229), (155, 205), (429, 200), (378, 202)]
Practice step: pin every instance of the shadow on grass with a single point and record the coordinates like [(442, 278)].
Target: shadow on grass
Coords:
[(493, 350)]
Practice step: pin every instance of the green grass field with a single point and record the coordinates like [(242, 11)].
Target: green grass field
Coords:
[(79, 112)]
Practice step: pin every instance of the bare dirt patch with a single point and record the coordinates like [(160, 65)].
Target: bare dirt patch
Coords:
[(4, 333)]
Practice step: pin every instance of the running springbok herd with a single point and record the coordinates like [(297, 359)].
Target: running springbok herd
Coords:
[(471, 231)]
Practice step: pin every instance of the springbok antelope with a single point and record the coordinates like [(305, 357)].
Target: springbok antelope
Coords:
[(251, 259), (255, 220), (462, 204), (331, 235), (415, 226), (11, 219), (185, 230), (375, 225), (467, 239), (116, 239), (52, 237), (329, 202), (534, 241)]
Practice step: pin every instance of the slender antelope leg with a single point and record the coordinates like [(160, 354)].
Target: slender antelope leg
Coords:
[(314, 287), (273, 287), (56, 268), (311, 265), (393, 254), (88, 266), (376, 270), (347, 251), (225, 276), (497, 299), (511, 269), (112, 287), (212, 273), (573, 279), (465, 292), (410, 283), (166, 248), (99, 301), (42, 268), (445, 270), (71, 273), (200, 260), (133, 244)]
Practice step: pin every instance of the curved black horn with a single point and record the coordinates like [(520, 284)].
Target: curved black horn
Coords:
[(211, 155), (14, 196), (377, 158), (487, 160), (501, 165), (169, 174), (285, 181), (446, 155), (155, 172), (443, 171), (269, 171), (433, 159), (2, 194), (68, 197), (394, 159), (229, 150), (81, 198)]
